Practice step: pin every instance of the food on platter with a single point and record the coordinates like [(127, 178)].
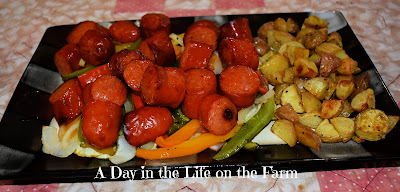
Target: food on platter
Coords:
[(128, 87)]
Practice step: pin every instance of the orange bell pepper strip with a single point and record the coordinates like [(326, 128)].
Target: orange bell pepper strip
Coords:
[(180, 136), (189, 147)]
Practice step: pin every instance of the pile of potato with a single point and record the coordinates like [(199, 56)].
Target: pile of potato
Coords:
[(314, 84)]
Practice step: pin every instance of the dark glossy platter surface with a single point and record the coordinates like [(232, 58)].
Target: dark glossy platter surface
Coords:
[(23, 161)]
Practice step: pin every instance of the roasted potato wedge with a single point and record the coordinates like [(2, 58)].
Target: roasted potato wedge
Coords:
[(331, 108), (344, 77), (277, 38), (290, 95), (278, 92), (372, 124), (344, 126), (275, 63), (327, 132), (315, 22), (331, 89), (357, 139), (329, 64), (348, 66), (318, 87), (284, 48), (305, 68), (335, 38), (364, 100), (344, 88), (285, 130), (311, 119), (288, 77), (287, 112), (310, 103), (341, 54), (276, 78), (327, 48), (263, 30), (307, 136), (361, 84), (347, 110), (295, 53), (299, 82), (293, 27), (280, 25)]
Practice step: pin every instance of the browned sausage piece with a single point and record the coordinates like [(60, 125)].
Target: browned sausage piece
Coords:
[(199, 83), (101, 121), (87, 93), (133, 73), (163, 86), (67, 101), (110, 88), (96, 47), (146, 124), (152, 23), (121, 59), (217, 114), (207, 23), (124, 31), (75, 35), (240, 84), (195, 55), (67, 59), (237, 29), (201, 34), (238, 52), (159, 47)]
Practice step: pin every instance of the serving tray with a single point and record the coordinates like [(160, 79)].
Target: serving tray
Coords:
[(22, 160)]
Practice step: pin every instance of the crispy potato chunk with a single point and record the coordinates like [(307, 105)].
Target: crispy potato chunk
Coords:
[(293, 27), (341, 54), (275, 63), (288, 77), (307, 136), (290, 95), (361, 84), (344, 88), (335, 38), (310, 103), (372, 124), (276, 78), (357, 139), (344, 126), (347, 110), (277, 38), (329, 64), (315, 22), (295, 53), (314, 39), (317, 86), (300, 82), (311, 119), (263, 30), (305, 68), (278, 92), (331, 89), (281, 25), (331, 108), (348, 66), (287, 112), (327, 132), (285, 130), (363, 100), (327, 48), (344, 77)]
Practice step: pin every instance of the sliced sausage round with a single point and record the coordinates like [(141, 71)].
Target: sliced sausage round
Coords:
[(195, 55), (110, 88), (163, 86), (67, 59), (159, 48), (146, 124), (124, 31), (217, 114), (240, 84), (75, 35), (237, 29), (238, 52), (121, 59), (95, 47), (201, 34), (199, 83), (67, 101), (207, 23), (152, 23), (101, 121), (133, 73)]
